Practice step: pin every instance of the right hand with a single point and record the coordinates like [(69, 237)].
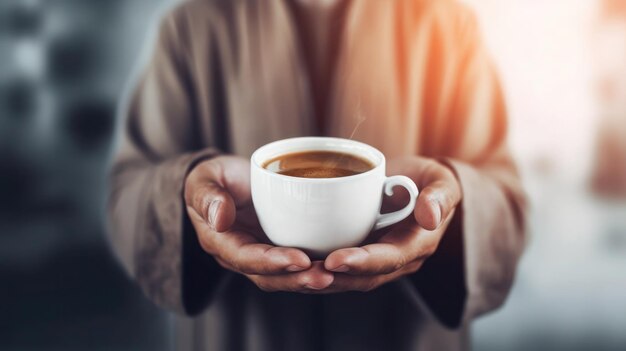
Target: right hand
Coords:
[(219, 204)]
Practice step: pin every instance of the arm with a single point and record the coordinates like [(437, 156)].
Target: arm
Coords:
[(180, 218), (149, 230), (481, 248), (461, 248)]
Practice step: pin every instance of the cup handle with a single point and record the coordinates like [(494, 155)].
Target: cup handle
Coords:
[(388, 219)]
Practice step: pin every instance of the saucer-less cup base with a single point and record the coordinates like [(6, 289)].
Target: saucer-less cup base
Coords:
[(323, 215)]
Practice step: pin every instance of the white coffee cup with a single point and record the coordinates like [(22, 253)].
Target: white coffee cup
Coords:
[(320, 215)]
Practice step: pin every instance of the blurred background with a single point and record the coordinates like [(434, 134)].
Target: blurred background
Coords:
[(65, 63)]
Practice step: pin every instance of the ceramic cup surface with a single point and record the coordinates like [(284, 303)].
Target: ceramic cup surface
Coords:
[(320, 215)]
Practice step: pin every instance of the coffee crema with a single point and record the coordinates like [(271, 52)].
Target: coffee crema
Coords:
[(318, 164)]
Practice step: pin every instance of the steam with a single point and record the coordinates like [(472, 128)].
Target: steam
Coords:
[(360, 118)]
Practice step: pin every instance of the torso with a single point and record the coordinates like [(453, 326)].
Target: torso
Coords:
[(252, 88), (265, 89)]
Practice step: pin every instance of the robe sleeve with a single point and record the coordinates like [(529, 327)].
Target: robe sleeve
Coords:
[(473, 269), (158, 145)]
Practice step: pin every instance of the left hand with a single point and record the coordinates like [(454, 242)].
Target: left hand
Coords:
[(403, 249)]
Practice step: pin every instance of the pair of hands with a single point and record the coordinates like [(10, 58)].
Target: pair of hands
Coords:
[(219, 203)]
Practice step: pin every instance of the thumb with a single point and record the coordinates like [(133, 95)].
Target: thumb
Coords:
[(435, 203), (215, 205)]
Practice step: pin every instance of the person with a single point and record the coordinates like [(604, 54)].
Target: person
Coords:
[(227, 77)]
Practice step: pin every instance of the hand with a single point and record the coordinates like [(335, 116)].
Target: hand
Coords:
[(219, 204), (404, 248)]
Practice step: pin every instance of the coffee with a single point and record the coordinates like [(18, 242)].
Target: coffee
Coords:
[(318, 164), (322, 215)]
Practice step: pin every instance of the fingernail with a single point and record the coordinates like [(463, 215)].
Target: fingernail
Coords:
[(318, 279), (213, 208), (437, 214), (295, 268), (341, 269)]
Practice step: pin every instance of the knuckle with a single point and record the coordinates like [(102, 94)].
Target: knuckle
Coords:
[(235, 262), (271, 257), (401, 261), (239, 267), (398, 265), (302, 282), (196, 176), (213, 168)]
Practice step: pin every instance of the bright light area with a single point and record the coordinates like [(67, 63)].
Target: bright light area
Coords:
[(570, 288)]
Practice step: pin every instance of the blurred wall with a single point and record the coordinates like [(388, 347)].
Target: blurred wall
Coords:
[(63, 66), (569, 291)]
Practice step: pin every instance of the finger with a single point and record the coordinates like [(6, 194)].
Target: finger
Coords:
[(404, 244), (440, 191), (428, 209), (228, 172), (436, 201), (314, 279), (230, 267), (243, 253), (369, 259), (348, 282), (214, 204), (215, 188)]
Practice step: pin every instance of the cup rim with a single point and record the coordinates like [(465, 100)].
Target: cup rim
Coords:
[(379, 164)]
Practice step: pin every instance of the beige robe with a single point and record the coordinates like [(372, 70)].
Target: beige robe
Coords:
[(227, 76)]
